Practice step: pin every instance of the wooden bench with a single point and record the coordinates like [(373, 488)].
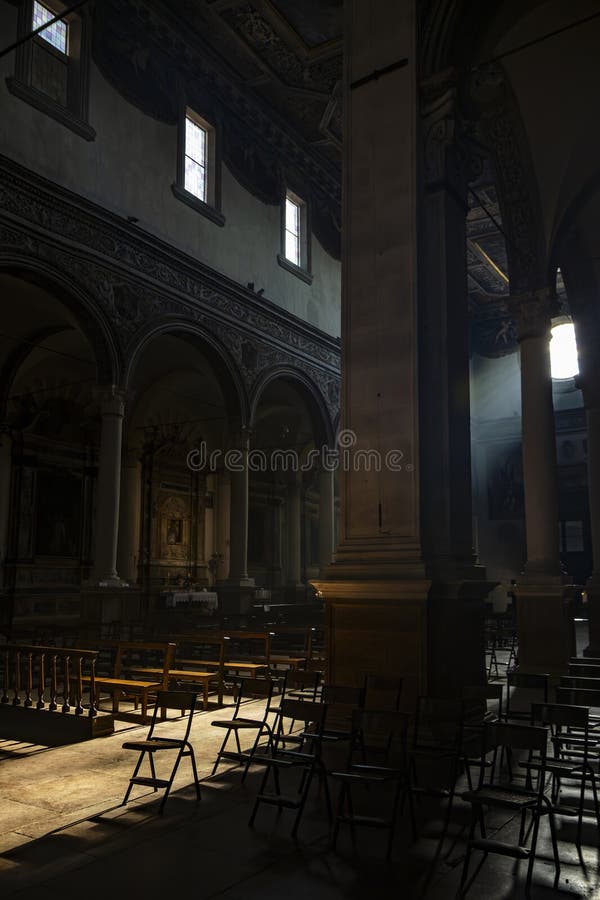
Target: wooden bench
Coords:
[(120, 685), (203, 678), (188, 665), (291, 646)]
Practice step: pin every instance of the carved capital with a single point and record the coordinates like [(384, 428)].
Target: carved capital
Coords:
[(112, 400), (532, 312), (451, 155)]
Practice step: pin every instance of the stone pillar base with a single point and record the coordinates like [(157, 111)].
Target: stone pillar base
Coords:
[(545, 627), (431, 635), (456, 641), (236, 598), (377, 627), (101, 605)]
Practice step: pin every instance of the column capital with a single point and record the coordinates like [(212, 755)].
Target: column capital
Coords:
[(533, 311), (112, 400), (451, 156), (240, 437)]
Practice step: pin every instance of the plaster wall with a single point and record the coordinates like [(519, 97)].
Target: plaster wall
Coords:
[(129, 169)]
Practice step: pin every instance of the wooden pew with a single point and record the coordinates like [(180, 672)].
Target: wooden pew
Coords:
[(121, 684), (291, 646)]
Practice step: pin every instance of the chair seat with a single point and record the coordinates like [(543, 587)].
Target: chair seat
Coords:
[(504, 797), (152, 746), (238, 723)]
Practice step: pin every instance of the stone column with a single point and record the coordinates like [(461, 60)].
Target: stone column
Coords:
[(546, 638), (533, 315), (238, 566), (591, 395), (294, 531), (376, 590), (5, 478), (108, 490), (455, 608), (223, 526), (326, 519), (130, 517)]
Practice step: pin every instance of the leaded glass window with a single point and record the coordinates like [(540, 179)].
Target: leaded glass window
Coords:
[(56, 34)]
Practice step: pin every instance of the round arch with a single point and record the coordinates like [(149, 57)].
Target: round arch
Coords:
[(80, 305), (319, 415), (218, 356)]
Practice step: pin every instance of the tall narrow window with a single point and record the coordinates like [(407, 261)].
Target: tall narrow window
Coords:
[(196, 147), (198, 182), (56, 34), (295, 239), (52, 67), (292, 230)]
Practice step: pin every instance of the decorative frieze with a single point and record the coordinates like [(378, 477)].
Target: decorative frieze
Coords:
[(130, 280)]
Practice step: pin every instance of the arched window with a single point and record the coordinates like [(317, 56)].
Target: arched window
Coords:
[(563, 352)]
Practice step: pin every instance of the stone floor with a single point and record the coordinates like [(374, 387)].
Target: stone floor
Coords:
[(64, 834)]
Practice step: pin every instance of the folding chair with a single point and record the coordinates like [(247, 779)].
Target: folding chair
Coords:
[(437, 744), (307, 758), (342, 700), (496, 794), (382, 692), (158, 743), (476, 715), (525, 681), (298, 685), (572, 750), (248, 689), (384, 732)]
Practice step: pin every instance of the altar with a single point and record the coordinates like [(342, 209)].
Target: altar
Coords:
[(207, 601)]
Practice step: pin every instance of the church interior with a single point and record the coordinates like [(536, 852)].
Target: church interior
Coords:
[(299, 414)]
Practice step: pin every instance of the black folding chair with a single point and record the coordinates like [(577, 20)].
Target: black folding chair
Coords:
[(342, 700), (248, 689), (382, 692), (493, 794), (573, 749), (437, 752), (379, 742), (526, 684), (154, 744), (306, 758)]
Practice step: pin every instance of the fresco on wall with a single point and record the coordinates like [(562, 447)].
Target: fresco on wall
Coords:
[(58, 531), (505, 481)]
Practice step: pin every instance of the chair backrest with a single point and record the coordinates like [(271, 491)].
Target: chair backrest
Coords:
[(509, 737), (585, 660), (584, 669), (561, 715), (438, 724), (308, 711), (379, 731), (578, 697), (529, 681), (575, 681), (343, 695), (180, 700), (475, 698), (254, 689), (382, 691), (299, 679)]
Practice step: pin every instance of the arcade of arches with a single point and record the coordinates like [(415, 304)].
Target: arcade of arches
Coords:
[(145, 327)]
